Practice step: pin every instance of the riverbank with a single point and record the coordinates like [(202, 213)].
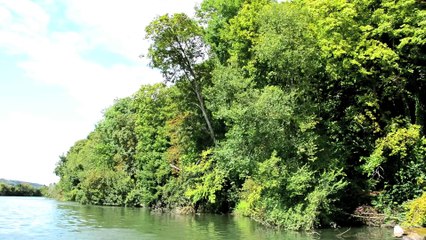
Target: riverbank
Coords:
[(409, 233)]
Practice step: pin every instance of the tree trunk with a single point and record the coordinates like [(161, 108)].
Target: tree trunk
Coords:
[(203, 110), (420, 111), (190, 73)]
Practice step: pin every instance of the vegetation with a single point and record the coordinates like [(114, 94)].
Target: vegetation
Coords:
[(416, 215), (293, 113), (21, 189)]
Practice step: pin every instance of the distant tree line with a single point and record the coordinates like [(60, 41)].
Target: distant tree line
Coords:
[(19, 190), (294, 113)]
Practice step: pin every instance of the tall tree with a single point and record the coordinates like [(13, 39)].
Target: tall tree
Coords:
[(178, 50)]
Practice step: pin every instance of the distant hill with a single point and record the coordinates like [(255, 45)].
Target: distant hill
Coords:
[(16, 182)]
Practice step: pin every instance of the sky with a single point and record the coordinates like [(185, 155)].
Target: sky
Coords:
[(62, 62)]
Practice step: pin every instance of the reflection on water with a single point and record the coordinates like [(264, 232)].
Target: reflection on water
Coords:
[(41, 218)]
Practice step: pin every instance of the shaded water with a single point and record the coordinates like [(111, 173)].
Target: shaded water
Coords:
[(42, 218)]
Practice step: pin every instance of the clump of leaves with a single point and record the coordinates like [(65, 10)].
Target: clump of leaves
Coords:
[(397, 165), (296, 199), (416, 215)]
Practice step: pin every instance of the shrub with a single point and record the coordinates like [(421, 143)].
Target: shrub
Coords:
[(292, 198), (416, 215), (397, 165)]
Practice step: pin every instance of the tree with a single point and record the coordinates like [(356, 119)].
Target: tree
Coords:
[(216, 14), (178, 50)]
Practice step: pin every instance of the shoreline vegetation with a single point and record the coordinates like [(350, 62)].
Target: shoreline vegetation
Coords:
[(20, 189), (298, 114)]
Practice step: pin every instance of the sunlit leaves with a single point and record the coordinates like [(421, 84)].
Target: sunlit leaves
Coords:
[(176, 46)]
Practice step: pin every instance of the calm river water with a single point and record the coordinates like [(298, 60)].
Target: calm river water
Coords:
[(42, 218)]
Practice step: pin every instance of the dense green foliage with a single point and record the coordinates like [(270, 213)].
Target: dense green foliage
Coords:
[(416, 215), (19, 190), (292, 113)]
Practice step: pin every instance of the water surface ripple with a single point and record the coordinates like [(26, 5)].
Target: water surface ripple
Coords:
[(42, 218)]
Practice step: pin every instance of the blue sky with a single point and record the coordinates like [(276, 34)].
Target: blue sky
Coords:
[(61, 64)]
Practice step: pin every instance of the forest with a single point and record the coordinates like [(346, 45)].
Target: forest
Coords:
[(298, 114)]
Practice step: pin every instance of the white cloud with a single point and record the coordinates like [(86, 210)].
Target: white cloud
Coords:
[(31, 145), (91, 84), (120, 25), (22, 24), (34, 21), (56, 57), (33, 141)]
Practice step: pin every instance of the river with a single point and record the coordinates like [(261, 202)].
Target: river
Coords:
[(43, 218)]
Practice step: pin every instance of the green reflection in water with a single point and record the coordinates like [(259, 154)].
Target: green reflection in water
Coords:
[(40, 218)]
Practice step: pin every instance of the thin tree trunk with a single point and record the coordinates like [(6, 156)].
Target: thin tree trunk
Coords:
[(193, 79), (420, 111), (203, 110)]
